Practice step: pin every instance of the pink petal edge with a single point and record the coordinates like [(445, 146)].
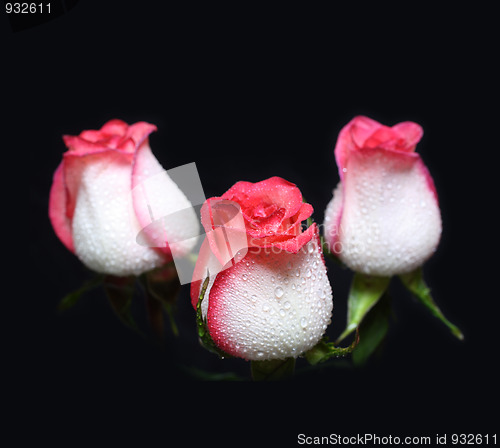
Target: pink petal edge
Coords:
[(57, 209)]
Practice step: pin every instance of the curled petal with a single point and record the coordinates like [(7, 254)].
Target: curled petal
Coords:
[(274, 191), (114, 127), (361, 129), (411, 132), (364, 133)]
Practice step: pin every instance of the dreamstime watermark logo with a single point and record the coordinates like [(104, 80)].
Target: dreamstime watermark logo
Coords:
[(331, 242), (180, 228)]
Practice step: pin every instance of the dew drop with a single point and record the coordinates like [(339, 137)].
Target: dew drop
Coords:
[(278, 292), (303, 322)]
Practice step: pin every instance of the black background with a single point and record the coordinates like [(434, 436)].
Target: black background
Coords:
[(248, 92)]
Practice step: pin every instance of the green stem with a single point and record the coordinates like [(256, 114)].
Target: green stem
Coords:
[(415, 283)]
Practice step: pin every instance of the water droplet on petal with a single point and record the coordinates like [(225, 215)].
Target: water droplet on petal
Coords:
[(278, 292)]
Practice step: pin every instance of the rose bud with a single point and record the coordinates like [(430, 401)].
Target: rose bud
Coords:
[(107, 190), (384, 218), (275, 301)]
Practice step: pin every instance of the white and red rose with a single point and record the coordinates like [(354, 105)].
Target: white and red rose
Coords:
[(103, 195), (384, 218), (275, 301)]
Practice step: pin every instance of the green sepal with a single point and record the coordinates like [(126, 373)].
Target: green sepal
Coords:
[(373, 330), (272, 370), (201, 324), (365, 292), (325, 350), (120, 291), (415, 283), (71, 299)]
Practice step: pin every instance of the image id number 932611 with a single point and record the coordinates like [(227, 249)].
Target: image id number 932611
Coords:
[(474, 439), (27, 8)]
